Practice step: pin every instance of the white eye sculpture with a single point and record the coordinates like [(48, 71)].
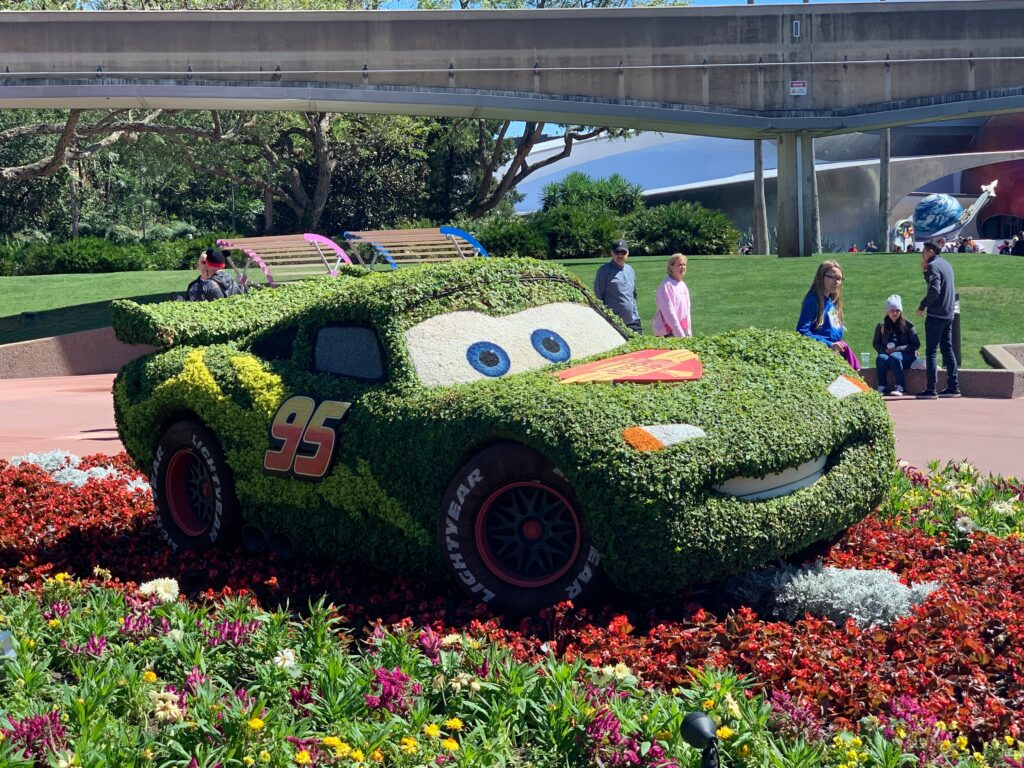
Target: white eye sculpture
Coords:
[(468, 346)]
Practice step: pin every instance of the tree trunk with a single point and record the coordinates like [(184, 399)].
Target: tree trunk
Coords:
[(73, 195), (268, 209), (760, 224), (884, 149)]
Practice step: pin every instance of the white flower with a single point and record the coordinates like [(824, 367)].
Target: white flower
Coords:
[(965, 525), (165, 590), (621, 671), (285, 658), (176, 635), (165, 707), (453, 639), (67, 760), (1003, 507)]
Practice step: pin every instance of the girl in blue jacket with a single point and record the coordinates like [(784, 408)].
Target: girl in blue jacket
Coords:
[(821, 316)]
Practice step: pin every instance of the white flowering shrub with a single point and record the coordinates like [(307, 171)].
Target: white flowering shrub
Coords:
[(869, 597), (64, 468)]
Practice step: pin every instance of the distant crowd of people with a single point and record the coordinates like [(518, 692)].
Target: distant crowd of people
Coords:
[(821, 316)]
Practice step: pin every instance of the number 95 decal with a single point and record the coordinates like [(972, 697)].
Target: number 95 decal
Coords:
[(304, 437)]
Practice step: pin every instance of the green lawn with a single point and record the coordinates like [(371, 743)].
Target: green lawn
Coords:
[(727, 292)]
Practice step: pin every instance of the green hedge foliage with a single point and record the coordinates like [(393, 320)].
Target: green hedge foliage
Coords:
[(763, 402), (96, 254)]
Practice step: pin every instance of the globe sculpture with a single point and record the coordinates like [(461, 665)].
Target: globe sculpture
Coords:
[(936, 213)]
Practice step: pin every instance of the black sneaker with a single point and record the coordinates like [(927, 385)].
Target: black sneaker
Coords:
[(928, 394), (947, 392)]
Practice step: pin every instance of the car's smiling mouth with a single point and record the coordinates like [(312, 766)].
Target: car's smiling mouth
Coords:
[(772, 486)]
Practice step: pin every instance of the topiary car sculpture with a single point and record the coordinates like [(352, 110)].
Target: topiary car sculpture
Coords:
[(491, 417)]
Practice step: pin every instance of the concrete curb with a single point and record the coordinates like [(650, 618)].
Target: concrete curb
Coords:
[(974, 382), (72, 354)]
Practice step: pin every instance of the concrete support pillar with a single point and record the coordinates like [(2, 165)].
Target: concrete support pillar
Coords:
[(885, 146), (760, 225), (798, 228)]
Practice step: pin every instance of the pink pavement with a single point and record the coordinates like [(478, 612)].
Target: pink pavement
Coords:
[(75, 413)]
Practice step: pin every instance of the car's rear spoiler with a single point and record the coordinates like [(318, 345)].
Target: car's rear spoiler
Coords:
[(171, 323)]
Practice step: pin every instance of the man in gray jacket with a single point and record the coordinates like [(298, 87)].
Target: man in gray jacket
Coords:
[(939, 301)]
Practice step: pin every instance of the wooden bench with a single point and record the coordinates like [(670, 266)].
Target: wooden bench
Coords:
[(281, 259), (414, 246)]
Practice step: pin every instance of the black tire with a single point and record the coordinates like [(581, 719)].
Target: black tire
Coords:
[(193, 489), (512, 533)]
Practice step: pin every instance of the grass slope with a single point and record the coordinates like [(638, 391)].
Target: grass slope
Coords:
[(727, 292)]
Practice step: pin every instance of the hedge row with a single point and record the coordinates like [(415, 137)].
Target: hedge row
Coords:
[(763, 401), (96, 254)]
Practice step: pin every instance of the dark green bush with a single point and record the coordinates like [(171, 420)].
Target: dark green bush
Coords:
[(577, 189), (579, 231), (96, 254), (686, 227), (505, 234)]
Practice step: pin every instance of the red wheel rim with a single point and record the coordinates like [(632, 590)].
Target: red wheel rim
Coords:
[(528, 534), (190, 494)]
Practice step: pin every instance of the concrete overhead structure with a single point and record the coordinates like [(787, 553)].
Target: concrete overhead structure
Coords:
[(789, 72)]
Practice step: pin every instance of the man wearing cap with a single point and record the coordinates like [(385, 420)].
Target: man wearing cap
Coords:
[(615, 285), (938, 325), (213, 281)]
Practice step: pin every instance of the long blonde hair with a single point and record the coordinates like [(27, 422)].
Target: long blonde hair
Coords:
[(818, 289)]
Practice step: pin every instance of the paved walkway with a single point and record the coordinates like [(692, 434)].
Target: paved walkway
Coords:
[(75, 414)]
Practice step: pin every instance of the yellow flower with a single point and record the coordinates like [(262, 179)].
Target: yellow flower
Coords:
[(940, 725), (453, 724), (709, 704), (409, 745), (331, 741), (302, 757), (149, 676), (62, 577), (944, 745), (978, 758), (432, 730), (1009, 740), (54, 622), (901, 731), (451, 745), (961, 742), (725, 732), (377, 756), (264, 756), (663, 735), (357, 755), (256, 724), (953, 725), (745, 751), (856, 743), (147, 753), (248, 760)]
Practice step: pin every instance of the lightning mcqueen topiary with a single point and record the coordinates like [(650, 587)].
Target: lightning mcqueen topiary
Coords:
[(492, 417)]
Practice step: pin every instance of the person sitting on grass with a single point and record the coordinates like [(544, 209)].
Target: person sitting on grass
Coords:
[(896, 343), (213, 281), (821, 316)]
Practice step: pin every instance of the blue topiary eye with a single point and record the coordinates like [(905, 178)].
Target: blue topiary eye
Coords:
[(550, 345), (488, 358)]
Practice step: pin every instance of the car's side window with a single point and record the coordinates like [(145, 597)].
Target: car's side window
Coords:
[(277, 345), (349, 350)]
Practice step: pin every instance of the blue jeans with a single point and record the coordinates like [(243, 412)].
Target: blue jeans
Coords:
[(892, 362), (938, 334)]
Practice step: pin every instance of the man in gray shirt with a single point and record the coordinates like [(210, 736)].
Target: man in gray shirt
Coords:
[(615, 285), (938, 325)]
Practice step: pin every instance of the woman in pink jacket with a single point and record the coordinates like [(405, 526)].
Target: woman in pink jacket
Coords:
[(673, 301)]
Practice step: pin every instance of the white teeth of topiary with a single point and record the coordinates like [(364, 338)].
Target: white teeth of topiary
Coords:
[(772, 486)]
